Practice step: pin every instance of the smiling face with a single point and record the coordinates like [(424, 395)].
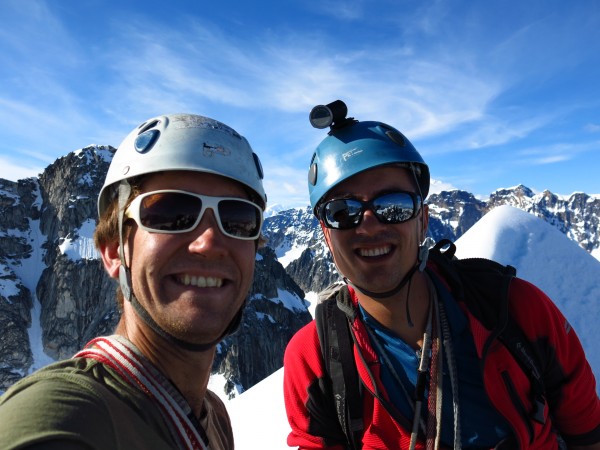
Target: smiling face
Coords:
[(194, 283), (376, 256)]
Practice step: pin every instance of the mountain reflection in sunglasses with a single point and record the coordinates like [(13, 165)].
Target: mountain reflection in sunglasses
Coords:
[(390, 208), (173, 211)]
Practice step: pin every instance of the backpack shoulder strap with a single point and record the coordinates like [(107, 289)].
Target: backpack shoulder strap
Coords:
[(483, 285), (337, 349)]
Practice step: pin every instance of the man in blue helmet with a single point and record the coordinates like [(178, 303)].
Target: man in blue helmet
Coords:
[(428, 367), (180, 217)]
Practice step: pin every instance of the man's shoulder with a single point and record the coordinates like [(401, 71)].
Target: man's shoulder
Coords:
[(304, 336), (74, 378), (215, 420), (57, 401), (303, 350), (82, 400), (66, 371), (77, 382)]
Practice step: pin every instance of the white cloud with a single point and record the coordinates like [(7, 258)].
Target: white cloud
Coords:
[(10, 170), (592, 128), (438, 186)]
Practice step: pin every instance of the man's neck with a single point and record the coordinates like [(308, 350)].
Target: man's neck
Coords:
[(391, 312), (188, 371)]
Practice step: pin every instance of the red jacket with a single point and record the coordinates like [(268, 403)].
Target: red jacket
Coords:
[(573, 407)]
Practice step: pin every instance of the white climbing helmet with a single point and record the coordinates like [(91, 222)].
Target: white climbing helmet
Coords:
[(184, 142)]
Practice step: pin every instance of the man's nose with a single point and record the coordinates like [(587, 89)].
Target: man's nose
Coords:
[(207, 236)]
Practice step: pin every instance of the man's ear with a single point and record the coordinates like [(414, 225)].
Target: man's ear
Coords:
[(111, 259)]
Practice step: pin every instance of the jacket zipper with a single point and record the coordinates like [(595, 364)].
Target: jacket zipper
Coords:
[(514, 396)]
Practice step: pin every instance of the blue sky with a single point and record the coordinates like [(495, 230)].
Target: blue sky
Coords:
[(493, 94)]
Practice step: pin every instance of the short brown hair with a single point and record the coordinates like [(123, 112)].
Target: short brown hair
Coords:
[(107, 229)]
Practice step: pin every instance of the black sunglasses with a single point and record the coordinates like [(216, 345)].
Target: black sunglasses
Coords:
[(346, 213), (172, 212)]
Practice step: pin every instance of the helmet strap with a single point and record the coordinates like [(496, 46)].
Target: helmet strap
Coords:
[(389, 293), (147, 318), (423, 256), (124, 276)]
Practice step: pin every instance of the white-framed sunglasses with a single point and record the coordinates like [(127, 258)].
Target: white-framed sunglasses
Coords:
[(172, 211)]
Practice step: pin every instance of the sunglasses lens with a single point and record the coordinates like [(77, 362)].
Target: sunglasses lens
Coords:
[(342, 214), (394, 208), (240, 219), (169, 211), (346, 213)]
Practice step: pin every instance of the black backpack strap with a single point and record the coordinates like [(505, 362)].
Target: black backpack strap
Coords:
[(337, 349), (484, 285)]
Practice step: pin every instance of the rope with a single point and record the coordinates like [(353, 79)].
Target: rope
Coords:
[(121, 356), (386, 360), (422, 376), (441, 346), (435, 387), (453, 375)]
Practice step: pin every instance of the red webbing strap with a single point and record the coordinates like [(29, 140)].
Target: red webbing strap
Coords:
[(133, 369)]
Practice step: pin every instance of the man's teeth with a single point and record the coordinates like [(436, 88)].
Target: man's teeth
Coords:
[(190, 280), (374, 251)]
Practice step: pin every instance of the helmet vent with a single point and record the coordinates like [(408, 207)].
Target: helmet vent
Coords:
[(147, 125), (312, 174), (396, 137), (145, 141), (259, 168)]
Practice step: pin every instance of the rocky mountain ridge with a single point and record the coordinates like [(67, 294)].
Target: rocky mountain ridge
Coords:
[(55, 295), (296, 237)]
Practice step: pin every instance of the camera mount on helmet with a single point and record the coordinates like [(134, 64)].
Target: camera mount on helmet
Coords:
[(332, 115)]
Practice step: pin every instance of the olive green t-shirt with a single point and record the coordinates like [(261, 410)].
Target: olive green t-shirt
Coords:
[(84, 404)]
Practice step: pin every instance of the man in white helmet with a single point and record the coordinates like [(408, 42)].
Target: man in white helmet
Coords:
[(180, 220)]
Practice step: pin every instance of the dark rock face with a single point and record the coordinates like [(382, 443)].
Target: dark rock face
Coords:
[(55, 295), (451, 213), (17, 209), (298, 228), (274, 312), (76, 296)]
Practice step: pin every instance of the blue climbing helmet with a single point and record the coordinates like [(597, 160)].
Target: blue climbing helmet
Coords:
[(352, 147)]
